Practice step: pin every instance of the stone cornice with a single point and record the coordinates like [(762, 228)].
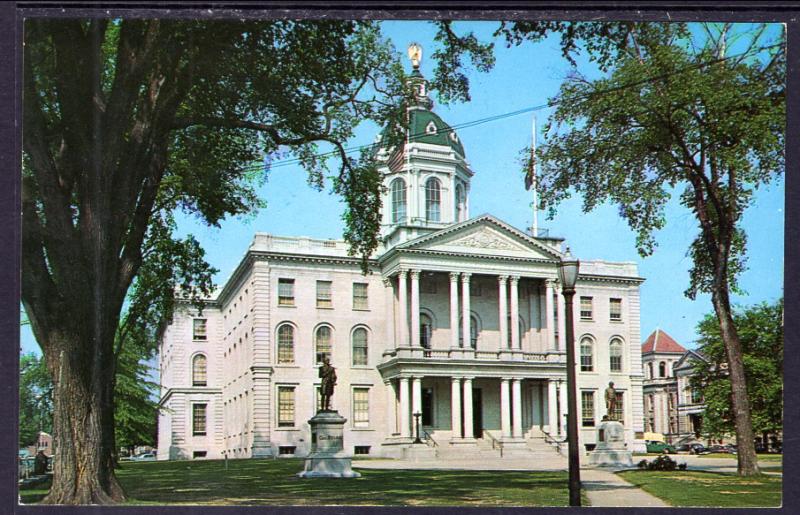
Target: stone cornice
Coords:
[(189, 390)]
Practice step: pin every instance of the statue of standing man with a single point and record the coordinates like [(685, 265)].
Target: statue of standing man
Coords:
[(328, 376), (611, 401)]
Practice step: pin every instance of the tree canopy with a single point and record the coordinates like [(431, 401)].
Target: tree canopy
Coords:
[(127, 120), (695, 107), (761, 332)]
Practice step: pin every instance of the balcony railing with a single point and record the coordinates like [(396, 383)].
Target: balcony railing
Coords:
[(478, 355)]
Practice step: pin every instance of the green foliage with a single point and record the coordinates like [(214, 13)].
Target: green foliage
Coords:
[(668, 114), (35, 399), (135, 410), (760, 329), (662, 462)]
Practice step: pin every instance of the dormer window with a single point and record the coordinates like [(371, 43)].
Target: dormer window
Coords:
[(454, 136), (430, 128)]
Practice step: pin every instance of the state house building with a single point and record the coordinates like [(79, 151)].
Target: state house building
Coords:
[(461, 322)]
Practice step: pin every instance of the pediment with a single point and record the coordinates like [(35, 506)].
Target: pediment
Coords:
[(486, 236)]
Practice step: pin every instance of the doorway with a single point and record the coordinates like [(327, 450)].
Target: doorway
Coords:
[(477, 413)]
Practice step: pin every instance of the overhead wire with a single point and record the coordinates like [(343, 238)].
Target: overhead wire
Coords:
[(510, 114)]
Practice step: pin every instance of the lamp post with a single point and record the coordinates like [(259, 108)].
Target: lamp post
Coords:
[(416, 420), (568, 274)]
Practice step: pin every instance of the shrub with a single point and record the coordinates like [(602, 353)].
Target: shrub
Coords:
[(663, 462)]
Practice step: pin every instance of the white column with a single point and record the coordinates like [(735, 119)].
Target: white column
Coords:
[(402, 299), (548, 313), (405, 409), (390, 320), (416, 395), (562, 324), (468, 428), (514, 283), (391, 407), (552, 406), (516, 407), (465, 310), (562, 399), (503, 311), (455, 406), (415, 308), (454, 309), (505, 408)]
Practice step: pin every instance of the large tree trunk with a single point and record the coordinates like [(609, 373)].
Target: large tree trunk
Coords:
[(746, 451), (82, 424)]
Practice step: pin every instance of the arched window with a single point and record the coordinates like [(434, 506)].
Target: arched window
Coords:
[(285, 344), (650, 371), (433, 200), (474, 330), (662, 369), (425, 330), (199, 371), (360, 347), (322, 343), (615, 355), (460, 204), (587, 355), (398, 200)]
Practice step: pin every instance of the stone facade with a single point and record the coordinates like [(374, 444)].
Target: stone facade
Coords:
[(397, 335)]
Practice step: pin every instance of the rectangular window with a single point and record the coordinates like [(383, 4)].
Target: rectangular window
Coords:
[(360, 407), (286, 450), (586, 308), (361, 449), (199, 329), (619, 408), (324, 294), (198, 419), (360, 297), (286, 292), (286, 406), (615, 310), (587, 409), (199, 454)]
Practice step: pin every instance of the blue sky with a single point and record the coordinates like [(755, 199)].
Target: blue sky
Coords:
[(522, 77)]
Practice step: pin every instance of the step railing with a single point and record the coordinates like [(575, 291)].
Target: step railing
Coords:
[(496, 444), (428, 439), (550, 439)]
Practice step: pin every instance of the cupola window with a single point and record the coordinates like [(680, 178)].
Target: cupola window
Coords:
[(433, 200), (398, 200)]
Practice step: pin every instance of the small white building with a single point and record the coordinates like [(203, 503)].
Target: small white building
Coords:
[(461, 321)]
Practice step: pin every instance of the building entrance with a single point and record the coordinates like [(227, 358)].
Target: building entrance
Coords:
[(477, 413)]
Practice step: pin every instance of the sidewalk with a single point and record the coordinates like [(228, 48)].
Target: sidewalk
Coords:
[(604, 488)]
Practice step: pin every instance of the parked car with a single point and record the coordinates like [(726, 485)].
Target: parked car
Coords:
[(697, 448), (722, 449), (148, 456), (661, 447)]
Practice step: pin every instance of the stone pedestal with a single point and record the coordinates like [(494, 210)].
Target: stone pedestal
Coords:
[(327, 457), (610, 450)]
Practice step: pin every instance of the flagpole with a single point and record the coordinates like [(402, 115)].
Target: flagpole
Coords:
[(535, 223)]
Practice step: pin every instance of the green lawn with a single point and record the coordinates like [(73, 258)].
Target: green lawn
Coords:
[(761, 457), (708, 489), (255, 482)]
